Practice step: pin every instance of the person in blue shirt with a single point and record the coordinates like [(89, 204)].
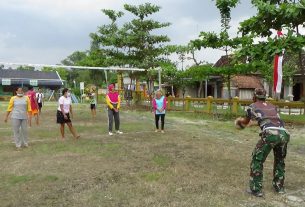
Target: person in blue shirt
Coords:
[(159, 106)]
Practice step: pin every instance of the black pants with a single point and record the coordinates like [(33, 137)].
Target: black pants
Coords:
[(113, 115), (157, 117)]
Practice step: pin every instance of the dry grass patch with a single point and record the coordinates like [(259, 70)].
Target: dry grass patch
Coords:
[(197, 162)]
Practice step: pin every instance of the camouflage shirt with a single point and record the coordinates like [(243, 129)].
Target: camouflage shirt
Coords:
[(265, 114)]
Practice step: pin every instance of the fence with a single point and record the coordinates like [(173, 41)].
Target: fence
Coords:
[(235, 106), (209, 105)]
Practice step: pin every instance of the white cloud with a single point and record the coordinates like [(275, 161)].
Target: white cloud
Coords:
[(5, 38), (34, 55), (47, 31)]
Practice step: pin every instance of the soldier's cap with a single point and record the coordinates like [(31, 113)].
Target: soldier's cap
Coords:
[(260, 93)]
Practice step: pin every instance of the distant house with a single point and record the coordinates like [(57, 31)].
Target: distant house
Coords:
[(244, 85), (297, 88), (241, 85), (10, 79)]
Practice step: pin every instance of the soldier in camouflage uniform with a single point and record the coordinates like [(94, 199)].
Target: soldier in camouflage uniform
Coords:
[(273, 136)]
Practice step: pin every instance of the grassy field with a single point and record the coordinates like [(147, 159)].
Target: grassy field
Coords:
[(197, 162)]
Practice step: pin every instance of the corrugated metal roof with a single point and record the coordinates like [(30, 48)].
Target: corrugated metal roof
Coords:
[(10, 73), (24, 76)]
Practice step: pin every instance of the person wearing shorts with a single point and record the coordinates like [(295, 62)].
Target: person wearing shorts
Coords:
[(63, 114), (34, 105), (39, 97), (93, 105)]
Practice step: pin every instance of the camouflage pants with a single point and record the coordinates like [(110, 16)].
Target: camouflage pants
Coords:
[(270, 139)]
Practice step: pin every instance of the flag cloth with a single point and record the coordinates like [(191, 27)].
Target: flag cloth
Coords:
[(278, 70), (278, 73)]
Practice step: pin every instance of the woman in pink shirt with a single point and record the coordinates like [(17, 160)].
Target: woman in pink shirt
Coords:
[(113, 102)]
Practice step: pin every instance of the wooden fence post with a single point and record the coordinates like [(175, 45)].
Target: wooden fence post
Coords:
[(209, 104), (187, 103), (169, 102), (235, 105)]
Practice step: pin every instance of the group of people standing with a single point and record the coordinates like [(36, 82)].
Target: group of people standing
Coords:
[(23, 106), (273, 134)]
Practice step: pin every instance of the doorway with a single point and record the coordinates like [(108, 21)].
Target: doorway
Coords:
[(297, 88)]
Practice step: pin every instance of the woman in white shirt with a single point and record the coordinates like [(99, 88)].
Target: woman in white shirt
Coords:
[(40, 99), (63, 114)]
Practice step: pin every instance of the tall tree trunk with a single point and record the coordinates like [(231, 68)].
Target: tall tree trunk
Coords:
[(229, 76), (200, 89)]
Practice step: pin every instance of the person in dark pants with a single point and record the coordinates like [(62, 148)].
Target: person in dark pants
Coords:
[(273, 137), (113, 102), (159, 106)]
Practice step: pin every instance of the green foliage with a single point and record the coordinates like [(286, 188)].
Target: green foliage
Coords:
[(276, 14), (63, 73), (74, 58), (271, 16), (225, 7), (25, 68), (132, 44), (216, 41), (91, 59), (112, 78), (170, 74), (199, 72), (220, 41)]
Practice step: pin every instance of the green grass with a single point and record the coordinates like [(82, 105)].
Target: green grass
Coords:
[(152, 176), (297, 119), (198, 161), (161, 160), (14, 179)]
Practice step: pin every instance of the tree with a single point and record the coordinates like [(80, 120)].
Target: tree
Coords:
[(170, 75), (274, 15), (31, 68), (73, 60), (63, 73), (133, 44), (222, 40), (185, 52), (145, 48)]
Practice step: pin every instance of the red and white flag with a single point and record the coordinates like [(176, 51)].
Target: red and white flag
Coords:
[(278, 70)]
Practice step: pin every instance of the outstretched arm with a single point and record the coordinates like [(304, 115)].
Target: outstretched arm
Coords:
[(241, 122)]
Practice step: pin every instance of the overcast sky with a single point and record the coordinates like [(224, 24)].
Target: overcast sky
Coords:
[(47, 31)]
